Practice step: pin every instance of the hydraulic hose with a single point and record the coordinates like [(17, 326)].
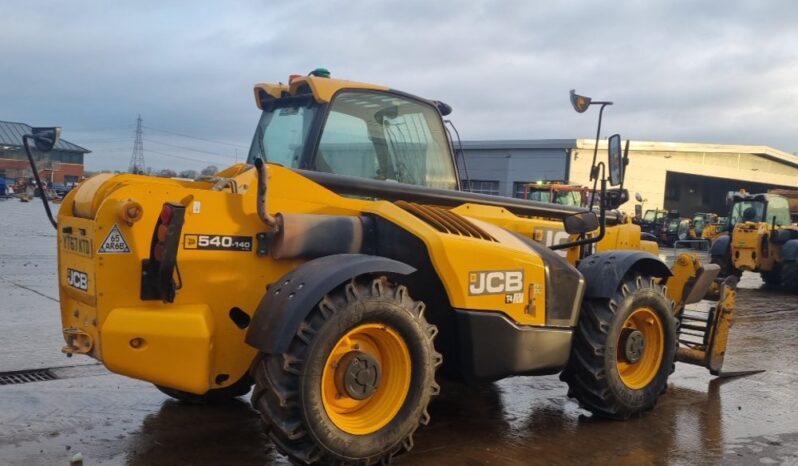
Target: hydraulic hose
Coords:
[(42, 194)]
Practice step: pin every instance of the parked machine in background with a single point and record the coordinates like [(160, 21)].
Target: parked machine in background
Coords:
[(792, 198), (557, 192), (342, 283), (760, 238), (700, 221), (651, 222), (667, 228)]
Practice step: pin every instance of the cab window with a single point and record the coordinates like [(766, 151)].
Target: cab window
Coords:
[(747, 211), (385, 137), (778, 210)]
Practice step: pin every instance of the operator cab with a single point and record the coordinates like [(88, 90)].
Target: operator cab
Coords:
[(369, 133), (769, 208)]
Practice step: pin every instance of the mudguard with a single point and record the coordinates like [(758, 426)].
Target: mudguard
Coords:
[(605, 270), (789, 250), (720, 247), (291, 298)]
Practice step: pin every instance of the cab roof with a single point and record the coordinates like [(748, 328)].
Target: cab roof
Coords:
[(323, 89)]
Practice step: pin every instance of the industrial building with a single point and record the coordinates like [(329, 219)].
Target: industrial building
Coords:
[(63, 165), (682, 176)]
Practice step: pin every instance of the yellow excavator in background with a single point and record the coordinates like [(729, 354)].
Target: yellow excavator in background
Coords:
[(340, 269)]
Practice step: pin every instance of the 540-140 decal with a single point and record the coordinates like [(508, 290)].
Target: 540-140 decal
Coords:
[(217, 242)]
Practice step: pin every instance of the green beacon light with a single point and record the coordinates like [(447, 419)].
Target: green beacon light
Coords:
[(320, 72)]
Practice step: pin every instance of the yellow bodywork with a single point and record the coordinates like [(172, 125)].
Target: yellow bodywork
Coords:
[(749, 251), (154, 341), (105, 231)]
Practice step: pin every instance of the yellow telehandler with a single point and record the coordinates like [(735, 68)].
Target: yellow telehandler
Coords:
[(760, 237), (340, 268)]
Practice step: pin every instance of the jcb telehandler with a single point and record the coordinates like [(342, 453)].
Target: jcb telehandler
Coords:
[(340, 267), (761, 238)]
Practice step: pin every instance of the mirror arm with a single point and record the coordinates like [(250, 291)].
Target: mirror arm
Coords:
[(624, 163), (42, 194), (594, 169)]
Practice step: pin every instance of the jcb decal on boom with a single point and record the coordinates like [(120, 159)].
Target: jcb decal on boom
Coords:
[(495, 282), (550, 237)]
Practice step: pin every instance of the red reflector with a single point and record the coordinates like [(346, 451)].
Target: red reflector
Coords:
[(292, 77), (162, 229), (166, 214), (158, 253)]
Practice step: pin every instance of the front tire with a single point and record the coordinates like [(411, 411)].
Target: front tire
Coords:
[(772, 278), (356, 380), (623, 351)]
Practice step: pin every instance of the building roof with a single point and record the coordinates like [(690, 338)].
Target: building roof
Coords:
[(521, 144), (652, 146), (11, 135), (701, 148)]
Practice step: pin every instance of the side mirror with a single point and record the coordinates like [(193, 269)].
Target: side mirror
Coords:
[(638, 197), (582, 222), (615, 160), (615, 198), (45, 138)]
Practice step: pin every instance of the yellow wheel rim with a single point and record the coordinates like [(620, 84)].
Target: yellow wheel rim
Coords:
[(384, 345), (642, 371)]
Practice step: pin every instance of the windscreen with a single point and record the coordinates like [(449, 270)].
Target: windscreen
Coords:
[(572, 198), (542, 196), (747, 211), (778, 211)]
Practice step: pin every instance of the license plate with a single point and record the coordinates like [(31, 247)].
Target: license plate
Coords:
[(77, 245)]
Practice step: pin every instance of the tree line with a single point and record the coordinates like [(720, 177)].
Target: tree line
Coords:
[(210, 170)]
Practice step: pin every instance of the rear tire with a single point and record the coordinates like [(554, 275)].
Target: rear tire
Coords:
[(214, 395), (789, 276), (599, 373), (772, 278), (313, 420)]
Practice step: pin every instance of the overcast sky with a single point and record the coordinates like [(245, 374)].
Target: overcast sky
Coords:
[(720, 72)]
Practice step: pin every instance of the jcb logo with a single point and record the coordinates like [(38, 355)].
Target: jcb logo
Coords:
[(495, 282), (77, 279), (550, 237)]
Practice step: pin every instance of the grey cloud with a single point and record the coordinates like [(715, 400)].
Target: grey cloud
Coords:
[(677, 70)]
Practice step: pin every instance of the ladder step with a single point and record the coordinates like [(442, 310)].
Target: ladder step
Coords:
[(699, 328)]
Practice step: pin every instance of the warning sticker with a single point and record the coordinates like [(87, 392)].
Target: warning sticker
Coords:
[(114, 242)]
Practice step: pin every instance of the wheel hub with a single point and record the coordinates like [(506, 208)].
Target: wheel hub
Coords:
[(358, 375), (633, 344)]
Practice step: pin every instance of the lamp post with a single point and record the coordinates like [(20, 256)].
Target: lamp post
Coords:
[(581, 104)]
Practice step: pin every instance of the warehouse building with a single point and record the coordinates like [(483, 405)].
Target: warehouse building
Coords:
[(62, 165), (682, 176)]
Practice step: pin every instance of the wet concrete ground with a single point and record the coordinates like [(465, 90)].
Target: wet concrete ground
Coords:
[(526, 420)]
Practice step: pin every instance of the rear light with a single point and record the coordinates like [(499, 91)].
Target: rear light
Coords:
[(158, 271), (292, 77), (166, 214)]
